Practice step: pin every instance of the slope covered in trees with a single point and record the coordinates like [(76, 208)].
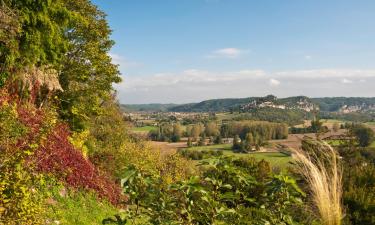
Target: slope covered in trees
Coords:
[(327, 104)]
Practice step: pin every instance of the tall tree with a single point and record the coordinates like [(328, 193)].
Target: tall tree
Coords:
[(88, 73)]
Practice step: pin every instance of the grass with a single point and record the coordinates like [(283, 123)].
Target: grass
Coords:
[(335, 142), (77, 207), (373, 144), (143, 129), (276, 159), (324, 178)]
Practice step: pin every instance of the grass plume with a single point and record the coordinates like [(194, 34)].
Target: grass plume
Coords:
[(323, 173)]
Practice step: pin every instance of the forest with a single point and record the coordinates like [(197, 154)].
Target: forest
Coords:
[(68, 154)]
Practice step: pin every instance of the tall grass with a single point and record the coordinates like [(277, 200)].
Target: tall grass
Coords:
[(323, 174)]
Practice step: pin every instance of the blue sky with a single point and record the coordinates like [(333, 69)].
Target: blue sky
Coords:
[(191, 50)]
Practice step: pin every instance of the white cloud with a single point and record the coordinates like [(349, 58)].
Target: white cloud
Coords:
[(274, 82), (230, 53), (123, 62), (308, 57), (327, 73), (346, 81), (192, 77), (194, 85)]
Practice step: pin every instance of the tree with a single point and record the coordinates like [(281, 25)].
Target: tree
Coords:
[(249, 142), (237, 144), (218, 140), (202, 141), (32, 33), (211, 129), (335, 126), (224, 130), (364, 135), (87, 71), (177, 132), (189, 142), (196, 131), (316, 125)]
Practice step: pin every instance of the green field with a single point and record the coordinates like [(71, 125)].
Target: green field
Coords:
[(335, 142), (143, 129), (276, 159)]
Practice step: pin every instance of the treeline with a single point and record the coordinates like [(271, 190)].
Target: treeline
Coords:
[(258, 130), (289, 116), (334, 104), (353, 117), (266, 130), (315, 127)]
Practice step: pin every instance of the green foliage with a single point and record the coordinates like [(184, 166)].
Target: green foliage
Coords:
[(20, 201), (265, 130), (364, 135), (86, 85), (167, 132), (38, 33), (199, 155), (229, 191), (359, 184), (65, 206)]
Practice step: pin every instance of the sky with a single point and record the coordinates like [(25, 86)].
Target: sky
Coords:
[(180, 51)]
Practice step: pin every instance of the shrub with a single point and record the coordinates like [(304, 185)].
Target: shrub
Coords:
[(72, 206), (227, 192), (59, 157), (364, 135), (20, 201)]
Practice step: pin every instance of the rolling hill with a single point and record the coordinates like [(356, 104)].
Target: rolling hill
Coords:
[(342, 105)]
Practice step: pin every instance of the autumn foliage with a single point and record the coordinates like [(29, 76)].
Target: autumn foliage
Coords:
[(51, 152), (59, 157)]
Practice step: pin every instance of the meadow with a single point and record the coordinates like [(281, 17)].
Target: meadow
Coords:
[(143, 129), (277, 159)]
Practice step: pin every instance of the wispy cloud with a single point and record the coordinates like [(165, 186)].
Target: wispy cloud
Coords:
[(274, 82), (346, 81), (328, 73), (123, 62), (229, 53), (195, 85)]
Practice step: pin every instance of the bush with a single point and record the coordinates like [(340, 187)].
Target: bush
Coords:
[(228, 192), (199, 155), (59, 157), (20, 201), (70, 206), (364, 135)]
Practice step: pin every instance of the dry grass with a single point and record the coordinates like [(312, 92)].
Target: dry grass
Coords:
[(324, 177)]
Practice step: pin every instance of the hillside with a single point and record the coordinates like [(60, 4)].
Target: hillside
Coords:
[(327, 104), (345, 105), (247, 104), (146, 107)]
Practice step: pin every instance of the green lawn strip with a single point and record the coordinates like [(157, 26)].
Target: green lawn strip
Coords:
[(144, 129), (335, 142), (277, 159)]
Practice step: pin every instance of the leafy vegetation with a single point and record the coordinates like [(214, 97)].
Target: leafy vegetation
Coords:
[(66, 206), (229, 191), (67, 156)]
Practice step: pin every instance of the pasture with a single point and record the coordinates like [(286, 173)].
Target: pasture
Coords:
[(277, 159)]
